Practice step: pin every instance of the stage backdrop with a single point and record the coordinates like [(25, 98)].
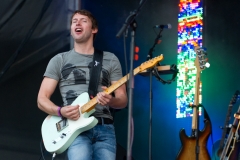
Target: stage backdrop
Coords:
[(20, 119)]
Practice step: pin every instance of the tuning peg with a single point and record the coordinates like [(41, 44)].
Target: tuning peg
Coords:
[(207, 65)]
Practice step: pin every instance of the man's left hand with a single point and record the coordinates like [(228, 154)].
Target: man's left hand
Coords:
[(103, 98)]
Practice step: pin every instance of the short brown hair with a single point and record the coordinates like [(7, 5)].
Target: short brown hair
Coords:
[(89, 15)]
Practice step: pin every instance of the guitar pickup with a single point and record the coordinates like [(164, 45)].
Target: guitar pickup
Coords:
[(63, 123)]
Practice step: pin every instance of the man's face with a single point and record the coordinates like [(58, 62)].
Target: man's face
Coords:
[(81, 28)]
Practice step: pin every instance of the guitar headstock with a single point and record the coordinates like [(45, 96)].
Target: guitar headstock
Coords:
[(201, 62), (150, 63)]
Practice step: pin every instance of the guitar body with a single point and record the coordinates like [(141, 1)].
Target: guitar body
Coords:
[(216, 151), (58, 141), (187, 151)]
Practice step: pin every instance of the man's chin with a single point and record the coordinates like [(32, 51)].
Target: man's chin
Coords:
[(79, 40)]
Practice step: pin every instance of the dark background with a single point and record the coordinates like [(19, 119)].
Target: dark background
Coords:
[(20, 119)]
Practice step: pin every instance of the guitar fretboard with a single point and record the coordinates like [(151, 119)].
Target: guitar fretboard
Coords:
[(230, 106)]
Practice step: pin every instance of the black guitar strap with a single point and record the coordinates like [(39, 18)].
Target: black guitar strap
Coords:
[(95, 73)]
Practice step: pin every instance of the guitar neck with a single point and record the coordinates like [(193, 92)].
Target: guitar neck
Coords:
[(196, 102), (146, 65), (91, 104), (200, 64), (231, 139), (228, 116)]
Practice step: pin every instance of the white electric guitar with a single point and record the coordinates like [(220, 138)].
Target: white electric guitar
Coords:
[(58, 133)]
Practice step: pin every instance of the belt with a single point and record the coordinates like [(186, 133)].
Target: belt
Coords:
[(102, 120)]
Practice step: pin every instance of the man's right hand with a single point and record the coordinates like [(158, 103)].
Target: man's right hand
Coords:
[(70, 112)]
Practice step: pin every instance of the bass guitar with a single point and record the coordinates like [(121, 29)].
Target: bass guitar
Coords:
[(58, 133), (195, 145), (219, 145)]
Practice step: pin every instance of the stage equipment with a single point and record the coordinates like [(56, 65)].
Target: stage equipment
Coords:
[(130, 21)]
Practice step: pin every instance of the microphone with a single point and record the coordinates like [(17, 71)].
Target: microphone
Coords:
[(168, 26)]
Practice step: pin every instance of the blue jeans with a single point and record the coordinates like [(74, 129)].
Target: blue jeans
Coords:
[(98, 143)]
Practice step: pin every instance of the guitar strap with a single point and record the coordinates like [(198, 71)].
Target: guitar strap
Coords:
[(96, 69)]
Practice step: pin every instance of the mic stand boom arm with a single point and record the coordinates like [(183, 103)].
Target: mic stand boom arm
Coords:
[(130, 19), (149, 56)]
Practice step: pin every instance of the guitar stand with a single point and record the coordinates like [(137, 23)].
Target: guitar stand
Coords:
[(196, 132)]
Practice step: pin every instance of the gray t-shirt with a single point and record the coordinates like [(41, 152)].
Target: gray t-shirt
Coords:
[(72, 70)]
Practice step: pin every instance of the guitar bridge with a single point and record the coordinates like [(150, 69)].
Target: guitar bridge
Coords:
[(61, 124)]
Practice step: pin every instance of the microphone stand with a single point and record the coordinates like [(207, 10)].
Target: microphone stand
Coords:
[(130, 21), (149, 56)]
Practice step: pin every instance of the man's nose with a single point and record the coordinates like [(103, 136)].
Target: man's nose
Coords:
[(78, 23)]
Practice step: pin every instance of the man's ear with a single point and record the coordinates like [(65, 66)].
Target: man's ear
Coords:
[(94, 30)]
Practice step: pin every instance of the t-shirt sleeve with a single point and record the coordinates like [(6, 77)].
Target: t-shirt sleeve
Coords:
[(116, 72), (53, 68)]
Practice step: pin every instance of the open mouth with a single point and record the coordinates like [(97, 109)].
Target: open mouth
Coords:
[(78, 30)]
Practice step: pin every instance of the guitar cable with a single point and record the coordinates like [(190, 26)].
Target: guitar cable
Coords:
[(53, 156), (42, 151)]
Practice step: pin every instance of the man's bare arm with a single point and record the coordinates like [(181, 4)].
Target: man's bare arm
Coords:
[(47, 88)]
